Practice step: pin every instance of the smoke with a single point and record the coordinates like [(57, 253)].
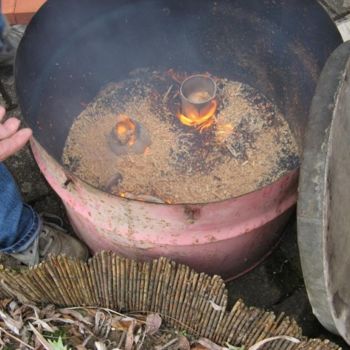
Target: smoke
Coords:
[(73, 48)]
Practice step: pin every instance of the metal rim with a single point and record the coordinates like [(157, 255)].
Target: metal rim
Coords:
[(195, 76), (315, 188)]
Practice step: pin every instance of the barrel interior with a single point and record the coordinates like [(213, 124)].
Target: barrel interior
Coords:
[(71, 50)]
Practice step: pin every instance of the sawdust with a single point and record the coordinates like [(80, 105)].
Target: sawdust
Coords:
[(249, 146)]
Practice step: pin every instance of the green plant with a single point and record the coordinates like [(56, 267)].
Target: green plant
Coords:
[(58, 344)]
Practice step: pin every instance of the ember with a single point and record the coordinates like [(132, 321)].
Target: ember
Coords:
[(125, 130), (128, 136), (202, 119)]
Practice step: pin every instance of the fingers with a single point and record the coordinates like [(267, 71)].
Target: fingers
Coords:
[(9, 128), (14, 143), (2, 113), (11, 140)]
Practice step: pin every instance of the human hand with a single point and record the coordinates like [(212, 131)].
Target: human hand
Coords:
[(11, 139)]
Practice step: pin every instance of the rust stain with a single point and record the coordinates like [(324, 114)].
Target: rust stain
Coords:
[(69, 180), (211, 238), (129, 219), (192, 214)]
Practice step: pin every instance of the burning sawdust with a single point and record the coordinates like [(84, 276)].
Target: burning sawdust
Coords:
[(250, 144)]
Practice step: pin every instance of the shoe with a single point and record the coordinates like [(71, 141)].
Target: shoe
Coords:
[(52, 241), (10, 41)]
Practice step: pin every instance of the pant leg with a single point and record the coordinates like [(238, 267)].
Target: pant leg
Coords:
[(2, 30), (9, 40), (19, 223), (2, 23)]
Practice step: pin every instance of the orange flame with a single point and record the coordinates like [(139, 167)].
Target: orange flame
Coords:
[(125, 130), (201, 119)]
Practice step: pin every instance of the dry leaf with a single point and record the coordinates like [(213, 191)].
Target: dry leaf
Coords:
[(263, 342), (44, 325), (139, 335), (14, 325), (48, 311), (199, 347), (216, 307), (167, 345), (100, 318), (130, 336), (122, 324), (60, 319), (35, 309), (74, 340), (17, 311), (13, 306), (40, 338), (209, 345), (153, 323), (100, 346), (77, 315), (183, 343), (4, 303), (86, 341)]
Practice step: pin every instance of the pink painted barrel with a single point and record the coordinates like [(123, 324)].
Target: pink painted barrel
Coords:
[(72, 49), (226, 238)]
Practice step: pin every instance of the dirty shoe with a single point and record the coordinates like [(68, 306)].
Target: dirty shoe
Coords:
[(52, 240), (9, 42)]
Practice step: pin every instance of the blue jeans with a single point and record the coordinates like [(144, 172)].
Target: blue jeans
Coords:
[(2, 28), (19, 223)]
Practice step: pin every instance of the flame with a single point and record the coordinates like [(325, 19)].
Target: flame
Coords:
[(201, 119), (125, 130)]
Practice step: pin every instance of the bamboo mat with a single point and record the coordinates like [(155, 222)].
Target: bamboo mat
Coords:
[(185, 299)]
